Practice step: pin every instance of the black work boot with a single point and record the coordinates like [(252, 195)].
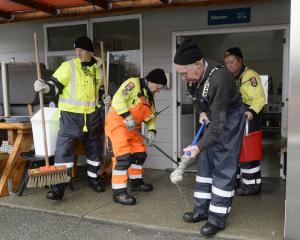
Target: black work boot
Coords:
[(138, 185), (125, 199), (244, 190), (194, 216), (96, 184), (56, 191), (210, 229)]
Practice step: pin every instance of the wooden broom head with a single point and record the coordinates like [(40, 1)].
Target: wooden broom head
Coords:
[(47, 175)]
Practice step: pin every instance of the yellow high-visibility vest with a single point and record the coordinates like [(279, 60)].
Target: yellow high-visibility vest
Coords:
[(128, 97), (81, 86), (252, 90)]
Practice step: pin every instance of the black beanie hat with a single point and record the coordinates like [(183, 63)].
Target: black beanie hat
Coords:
[(188, 53), (85, 43), (234, 51), (157, 76)]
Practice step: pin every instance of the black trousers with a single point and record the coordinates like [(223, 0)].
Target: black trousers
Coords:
[(217, 170), (250, 172), (71, 129)]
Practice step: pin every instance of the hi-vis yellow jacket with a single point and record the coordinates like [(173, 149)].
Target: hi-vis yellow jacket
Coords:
[(132, 97), (252, 90), (81, 86)]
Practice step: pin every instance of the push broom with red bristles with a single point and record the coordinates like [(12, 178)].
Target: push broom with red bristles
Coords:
[(46, 175)]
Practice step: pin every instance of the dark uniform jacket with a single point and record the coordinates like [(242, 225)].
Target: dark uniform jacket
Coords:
[(222, 94)]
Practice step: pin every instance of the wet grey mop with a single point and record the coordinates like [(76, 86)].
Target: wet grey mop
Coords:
[(186, 160), (46, 175)]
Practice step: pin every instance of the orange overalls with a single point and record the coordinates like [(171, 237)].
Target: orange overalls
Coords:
[(129, 150)]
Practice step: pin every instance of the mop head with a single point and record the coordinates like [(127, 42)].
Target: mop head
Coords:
[(47, 175), (176, 175)]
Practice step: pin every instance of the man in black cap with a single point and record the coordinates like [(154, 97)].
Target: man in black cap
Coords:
[(252, 90), (220, 104), (132, 104), (79, 85)]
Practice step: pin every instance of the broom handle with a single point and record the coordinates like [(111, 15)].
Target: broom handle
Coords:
[(104, 69), (105, 88), (39, 76)]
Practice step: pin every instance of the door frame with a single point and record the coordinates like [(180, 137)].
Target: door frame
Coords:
[(248, 29)]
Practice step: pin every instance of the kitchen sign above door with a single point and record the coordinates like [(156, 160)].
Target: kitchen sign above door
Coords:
[(229, 16)]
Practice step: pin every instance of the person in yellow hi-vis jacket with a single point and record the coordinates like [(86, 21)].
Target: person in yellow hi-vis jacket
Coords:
[(132, 104), (79, 85), (252, 92)]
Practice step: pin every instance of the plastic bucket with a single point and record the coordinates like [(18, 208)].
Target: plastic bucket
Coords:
[(251, 147), (52, 127)]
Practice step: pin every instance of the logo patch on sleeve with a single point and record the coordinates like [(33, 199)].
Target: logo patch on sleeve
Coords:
[(129, 86), (253, 82)]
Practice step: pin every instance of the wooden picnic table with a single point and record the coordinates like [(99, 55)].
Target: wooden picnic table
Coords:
[(20, 137)]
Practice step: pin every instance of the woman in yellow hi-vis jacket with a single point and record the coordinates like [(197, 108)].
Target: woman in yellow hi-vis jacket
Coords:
[(132, 104), (252, 92), (78, 84)]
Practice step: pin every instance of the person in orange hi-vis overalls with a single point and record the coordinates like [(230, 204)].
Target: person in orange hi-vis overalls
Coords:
[(132, 104)]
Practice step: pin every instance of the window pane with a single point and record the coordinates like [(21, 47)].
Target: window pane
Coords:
[(122, 39), (61, 38), (55, 62), (117, 35)]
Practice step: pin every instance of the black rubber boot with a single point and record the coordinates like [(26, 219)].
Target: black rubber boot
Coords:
[(56, 191), (210, 229), (244, 190), (96, 184), (125, 199), (138, 185), (194, 216)]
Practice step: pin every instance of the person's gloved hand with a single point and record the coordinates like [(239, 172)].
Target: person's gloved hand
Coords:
[(41, 86), (194, 150), (129, 122), (106, 100), (151, 138), (249, 115), (203, 117)]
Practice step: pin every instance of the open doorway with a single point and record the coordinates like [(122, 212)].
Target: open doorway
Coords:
[(265, 51)]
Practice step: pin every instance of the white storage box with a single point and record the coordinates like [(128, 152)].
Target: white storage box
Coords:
[(52, 127)]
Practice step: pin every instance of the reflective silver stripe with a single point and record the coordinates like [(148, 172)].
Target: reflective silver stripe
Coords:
[(203, 179), (238, 176), (131, 176), (249, 182), (122, 109), (93, 163), (222, 210), (73, 79), (251, 170), (119, 186), (91, 174), (221, 192), (202, 195), (77, 102), (119, 172), (68, 165), (135, 166)]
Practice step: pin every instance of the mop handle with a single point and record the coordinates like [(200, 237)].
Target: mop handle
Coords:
[(247, 127), (196, 138)]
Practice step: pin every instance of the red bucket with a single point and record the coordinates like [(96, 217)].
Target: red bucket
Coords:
[(251, 147)]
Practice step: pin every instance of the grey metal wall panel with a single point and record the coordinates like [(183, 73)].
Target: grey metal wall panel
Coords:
[(16, 40), (156, 160), (292, 230)]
